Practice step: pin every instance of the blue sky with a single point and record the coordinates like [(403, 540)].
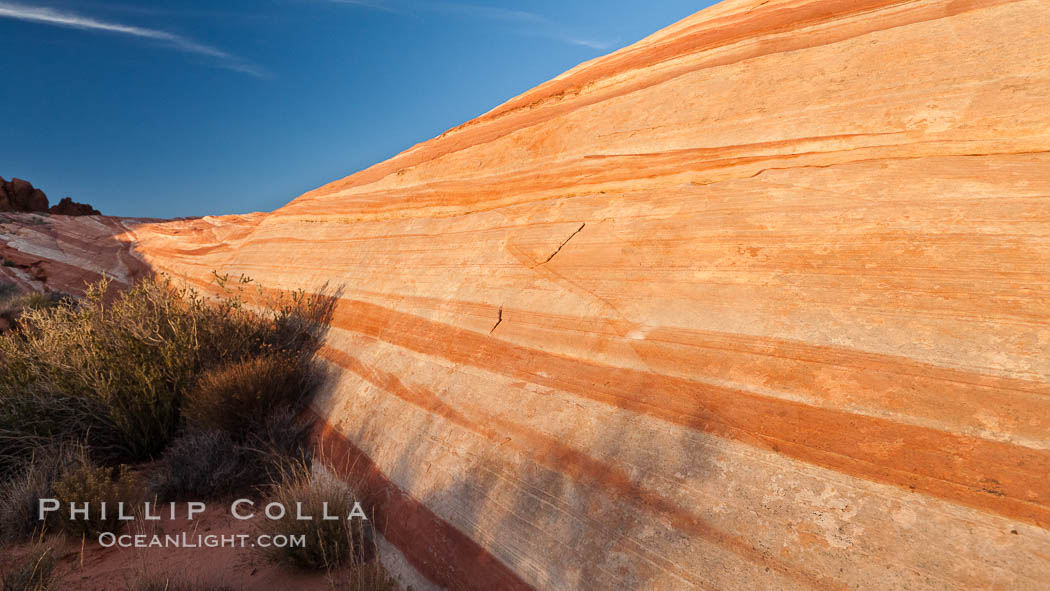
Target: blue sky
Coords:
[(198, 107)]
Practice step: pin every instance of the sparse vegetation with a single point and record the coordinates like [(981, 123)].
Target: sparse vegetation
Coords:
[(330, 543), (35, 480), (39, 300), (229, 397), (90, 485), (157, 582), (7, 290), (35, 572), (130, 362), (204, 464), (160, 393), (209, 386), (371, 576)]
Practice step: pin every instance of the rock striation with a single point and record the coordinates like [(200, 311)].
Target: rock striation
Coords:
[(758, 302)]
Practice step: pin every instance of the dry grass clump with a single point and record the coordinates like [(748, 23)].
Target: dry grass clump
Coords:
[(36, 420), (160, 582), (14, 303), (330, 543), (35, 572), (19, 499), (36, 300), (344, 548), (371, 576), (18, 502)]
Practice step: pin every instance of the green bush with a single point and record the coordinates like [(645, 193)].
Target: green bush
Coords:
[(35, 572)]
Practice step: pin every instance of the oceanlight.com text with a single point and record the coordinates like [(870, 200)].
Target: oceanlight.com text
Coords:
[(187, 540)]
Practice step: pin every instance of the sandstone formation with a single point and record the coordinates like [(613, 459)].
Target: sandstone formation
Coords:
[(19, 195), (60, 253), (759, 302), (69, 207)]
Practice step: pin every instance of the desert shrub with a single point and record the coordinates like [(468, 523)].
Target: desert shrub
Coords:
[(18, 503), (284, 440), (34, 420), (35, 572), (7, 290), (238, 397), (38, 300), (94, 485), (203, 464), (13, 304), (134, 355), (19, 499), (329, 543), (212, 387)]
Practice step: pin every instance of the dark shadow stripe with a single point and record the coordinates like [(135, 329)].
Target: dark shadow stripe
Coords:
[(440, 552)]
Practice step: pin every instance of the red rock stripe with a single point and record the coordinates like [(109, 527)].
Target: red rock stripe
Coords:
[(1005, 479), (576, 465), (437, 550), (988, 475)]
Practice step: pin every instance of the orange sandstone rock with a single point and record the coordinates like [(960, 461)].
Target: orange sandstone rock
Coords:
[(759, 302)]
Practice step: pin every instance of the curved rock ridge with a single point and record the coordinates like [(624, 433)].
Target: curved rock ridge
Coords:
[(759, 302), (64, 253)]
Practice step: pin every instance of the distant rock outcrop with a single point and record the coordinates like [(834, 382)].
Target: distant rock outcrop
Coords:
[(69, 207), (20, 195)]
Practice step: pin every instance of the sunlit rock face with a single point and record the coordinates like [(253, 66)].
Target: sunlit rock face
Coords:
[(759, 302)]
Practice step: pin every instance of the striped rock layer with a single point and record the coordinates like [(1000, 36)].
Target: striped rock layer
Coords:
[(759, 302)]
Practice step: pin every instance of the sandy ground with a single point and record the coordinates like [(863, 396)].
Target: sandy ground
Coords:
[(95, 568)]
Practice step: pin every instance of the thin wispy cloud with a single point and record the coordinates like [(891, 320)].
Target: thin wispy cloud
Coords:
[(489, 12), (49, 16), (531, 22), (372, 4)]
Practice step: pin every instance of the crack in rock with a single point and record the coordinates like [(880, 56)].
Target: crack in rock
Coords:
[(498, 320), (562, 245)]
